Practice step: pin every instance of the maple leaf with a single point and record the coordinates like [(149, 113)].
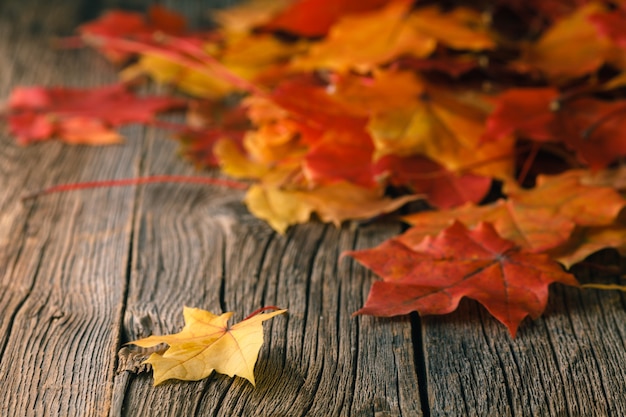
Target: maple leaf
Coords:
[(333, 203), (443, 188), (593, 128), (79, 116), (246, 16), (366, 40), (310, 18), (408, 117), (611, 23), (363, 41), (279, 208), (125, 24), (432, 278), (587, 240), (446, 127), (534, 229), (208, 343), (319, 130), (570, 198), (538, 219), (526, 112), (213, 68), (209, 123), (553, 55)]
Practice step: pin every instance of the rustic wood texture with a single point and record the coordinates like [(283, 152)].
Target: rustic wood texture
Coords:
[(82, 273)]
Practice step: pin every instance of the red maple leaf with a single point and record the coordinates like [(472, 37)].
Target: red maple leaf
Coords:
[(611, 24), (339, 146), (314, 18), (209, 122), (79, 115), (131, 25), (458, 262), (594, 129), (443, 188)]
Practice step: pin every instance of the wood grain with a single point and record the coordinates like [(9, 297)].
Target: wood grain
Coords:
[(570, 362), (63, 257), (82, 273), (201, 248)]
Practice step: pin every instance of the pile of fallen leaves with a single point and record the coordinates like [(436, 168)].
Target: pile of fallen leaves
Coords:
[(507, 117)]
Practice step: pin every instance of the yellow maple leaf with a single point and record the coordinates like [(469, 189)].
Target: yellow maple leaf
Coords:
[(165, 70), (446, 127), (333, 203), (460, 28), (279, 208), (365, 40), (250, 14), (206, 344)]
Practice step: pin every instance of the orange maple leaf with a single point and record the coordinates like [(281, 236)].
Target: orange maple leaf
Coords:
[(587, 240), (364, 41), (554, 53), (538, 219), (310, 18)]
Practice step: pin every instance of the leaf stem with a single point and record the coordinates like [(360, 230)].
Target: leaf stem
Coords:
[(606, 287), (136, 181), (260, 310)]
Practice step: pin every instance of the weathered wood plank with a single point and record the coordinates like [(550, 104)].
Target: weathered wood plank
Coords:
[(63, 257), (199, 247), (570, 362), (83, 272)]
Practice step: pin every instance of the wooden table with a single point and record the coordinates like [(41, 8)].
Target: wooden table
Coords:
[(81, 273)]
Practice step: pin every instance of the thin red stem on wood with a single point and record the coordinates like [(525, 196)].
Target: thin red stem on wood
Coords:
[(137, 181)]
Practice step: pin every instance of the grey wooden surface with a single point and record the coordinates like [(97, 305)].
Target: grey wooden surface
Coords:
[(82, 273)]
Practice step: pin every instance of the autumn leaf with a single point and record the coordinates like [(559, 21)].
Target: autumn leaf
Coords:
[(433, 277), (364, 41), (279, 208), (312, 19), (244, 17), (334, 203), (348, 109), (446, 127), (587, 240), (570, 198), (537, 219), (526, 112), (594, 129), (209, 123), (208, 343), (442, 188), (554, 54), (80, 116), (611, 23), (132, 25), (533, 229)]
